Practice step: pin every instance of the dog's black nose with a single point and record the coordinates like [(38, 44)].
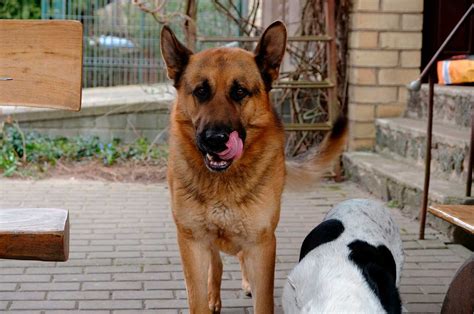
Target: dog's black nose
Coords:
[(215, 139)]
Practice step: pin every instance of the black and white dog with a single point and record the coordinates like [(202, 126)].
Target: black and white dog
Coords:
[(351, 262)]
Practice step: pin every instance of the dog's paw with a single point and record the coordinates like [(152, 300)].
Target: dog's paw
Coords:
[(215, 307), (246, 288), (215, 304)]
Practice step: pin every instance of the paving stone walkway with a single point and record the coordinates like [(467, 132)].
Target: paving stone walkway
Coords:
[(124, 257)]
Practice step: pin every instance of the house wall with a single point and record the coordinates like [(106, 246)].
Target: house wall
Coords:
[(385, 40)]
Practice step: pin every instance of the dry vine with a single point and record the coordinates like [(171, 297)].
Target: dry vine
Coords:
[(156, 8), (308, 62)]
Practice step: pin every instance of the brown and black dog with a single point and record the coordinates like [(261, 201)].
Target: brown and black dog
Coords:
[(227, 164)]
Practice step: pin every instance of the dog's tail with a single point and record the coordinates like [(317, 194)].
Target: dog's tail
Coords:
[(305, 174)]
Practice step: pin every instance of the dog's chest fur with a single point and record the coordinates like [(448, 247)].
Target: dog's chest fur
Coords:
[(225, 221)]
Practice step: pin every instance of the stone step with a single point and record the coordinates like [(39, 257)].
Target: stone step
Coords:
[(452, 104), (401, 183), (406, 139)]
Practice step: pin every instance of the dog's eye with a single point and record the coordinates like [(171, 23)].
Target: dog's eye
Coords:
[(202, 93), (238, 93)]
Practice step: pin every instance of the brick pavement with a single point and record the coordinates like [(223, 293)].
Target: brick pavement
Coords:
[(124, 257)]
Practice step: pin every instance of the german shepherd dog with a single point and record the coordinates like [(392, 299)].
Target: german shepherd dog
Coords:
[(227, 164)]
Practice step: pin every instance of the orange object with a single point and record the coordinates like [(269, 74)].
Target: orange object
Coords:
[(456, 71)]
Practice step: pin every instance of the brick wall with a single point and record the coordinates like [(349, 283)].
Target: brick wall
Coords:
[(384, 55)]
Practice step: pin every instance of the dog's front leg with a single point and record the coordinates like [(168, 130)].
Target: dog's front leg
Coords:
[(195, 256), (259, 263), (214, 281)]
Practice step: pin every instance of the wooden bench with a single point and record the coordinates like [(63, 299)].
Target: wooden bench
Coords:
[(459, 215), (40, 66), (34, 233)]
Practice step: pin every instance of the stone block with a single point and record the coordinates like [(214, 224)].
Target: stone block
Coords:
[(147, 120), (42, 124), (372, 94), (400, 40), (403, 94), (363, 39), (373, 58), (363, 130), (397, 76), (390, 110), (412, 22), (117, 121), (362, 76), (81, 122), (365, 5), (361, 144), (411, 59), (361, 112), (375, 21), (402, 5)]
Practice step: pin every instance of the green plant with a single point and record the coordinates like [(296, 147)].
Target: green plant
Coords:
[(393, 204), (20, 9), (20, 149)]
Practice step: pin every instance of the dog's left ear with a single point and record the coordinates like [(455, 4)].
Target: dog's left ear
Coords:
[(270, 51)]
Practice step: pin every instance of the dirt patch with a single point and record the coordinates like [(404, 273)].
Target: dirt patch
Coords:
[(129, 171)]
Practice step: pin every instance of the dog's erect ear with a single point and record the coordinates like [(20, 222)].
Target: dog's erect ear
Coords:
[(175, 54), (270, 51)]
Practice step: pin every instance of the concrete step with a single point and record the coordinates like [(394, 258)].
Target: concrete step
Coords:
[(402, 184), (452, 104), (406, 139)]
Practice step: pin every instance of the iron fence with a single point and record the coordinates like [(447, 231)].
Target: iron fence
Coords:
[(121, 43)]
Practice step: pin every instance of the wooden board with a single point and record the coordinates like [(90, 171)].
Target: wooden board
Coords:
[(459, 215), (34, 233), (41, 63)]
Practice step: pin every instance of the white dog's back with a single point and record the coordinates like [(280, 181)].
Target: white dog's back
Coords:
[(354, 252)]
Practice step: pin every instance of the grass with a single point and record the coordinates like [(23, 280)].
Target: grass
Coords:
[(393, 204), (29, 152)]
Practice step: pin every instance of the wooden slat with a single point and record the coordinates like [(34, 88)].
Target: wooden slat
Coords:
[(302, 84), (41, 63), (459, 215), (324, 126), (34, 233), (250, 39)]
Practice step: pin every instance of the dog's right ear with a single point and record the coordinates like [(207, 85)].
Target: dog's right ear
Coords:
[(175, 54), (270, 51)]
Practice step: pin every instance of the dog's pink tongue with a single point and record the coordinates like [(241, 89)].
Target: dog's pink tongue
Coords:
[(234, 147)]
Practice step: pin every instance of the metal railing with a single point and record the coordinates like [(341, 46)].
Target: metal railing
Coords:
[(121, 43), (415, 86)]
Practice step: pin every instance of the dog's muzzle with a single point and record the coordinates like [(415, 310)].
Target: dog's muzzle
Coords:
[(220, 147)]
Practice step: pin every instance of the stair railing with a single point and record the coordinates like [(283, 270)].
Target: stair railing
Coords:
[(415, 86)]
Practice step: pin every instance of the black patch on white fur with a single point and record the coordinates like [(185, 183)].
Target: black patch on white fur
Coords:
[(379, 269), (327, 231)]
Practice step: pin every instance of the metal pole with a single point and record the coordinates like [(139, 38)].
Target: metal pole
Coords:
[(471, 158), (429, 131)]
